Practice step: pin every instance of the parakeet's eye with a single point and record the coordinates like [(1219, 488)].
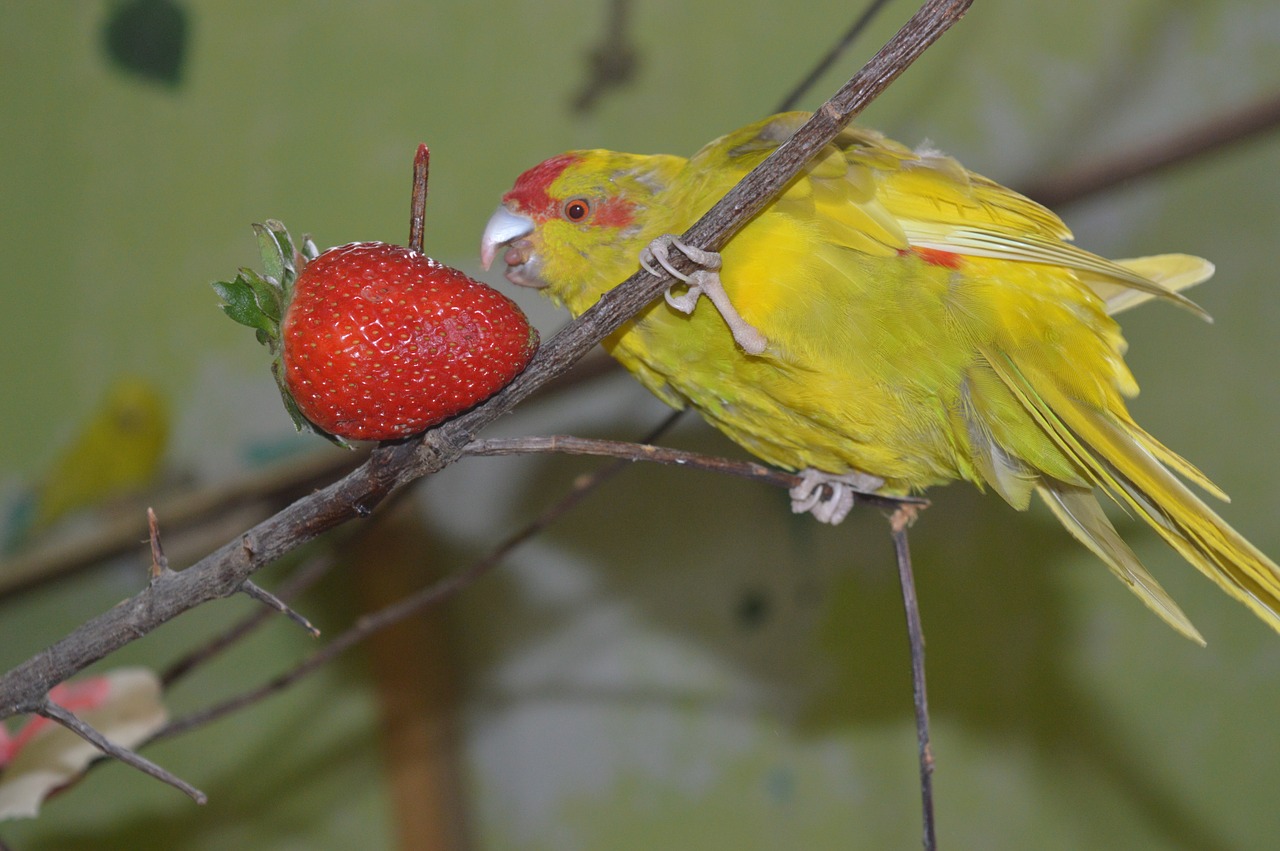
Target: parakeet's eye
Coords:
[(577, 209)]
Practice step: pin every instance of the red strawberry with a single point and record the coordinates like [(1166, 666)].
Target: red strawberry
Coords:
[(377, 341)]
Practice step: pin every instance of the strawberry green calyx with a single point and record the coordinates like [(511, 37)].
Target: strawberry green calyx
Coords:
[(259, 301)]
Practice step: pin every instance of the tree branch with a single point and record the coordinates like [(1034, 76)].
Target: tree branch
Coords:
[(611, 63), (901, 520), (393, 465), (570, 445)]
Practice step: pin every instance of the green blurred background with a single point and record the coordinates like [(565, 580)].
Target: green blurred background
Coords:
[(680, 663)]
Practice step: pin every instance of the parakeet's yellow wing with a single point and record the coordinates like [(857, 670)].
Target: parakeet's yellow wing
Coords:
[(872, 194)]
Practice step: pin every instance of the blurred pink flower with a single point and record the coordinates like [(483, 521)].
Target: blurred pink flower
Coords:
[(41, 756)]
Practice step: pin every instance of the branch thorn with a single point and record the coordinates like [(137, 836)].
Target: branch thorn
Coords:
[(268, 599), (159, 563)]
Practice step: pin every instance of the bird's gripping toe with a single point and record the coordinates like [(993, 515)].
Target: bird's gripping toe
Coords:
[(829, 497), (703, 282)]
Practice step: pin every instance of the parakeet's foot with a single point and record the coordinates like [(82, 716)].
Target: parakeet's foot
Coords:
[(829, 497), (703, 282), (904, 516)]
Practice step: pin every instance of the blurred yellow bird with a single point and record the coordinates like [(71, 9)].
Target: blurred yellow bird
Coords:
[(891, 322), (116, 453)]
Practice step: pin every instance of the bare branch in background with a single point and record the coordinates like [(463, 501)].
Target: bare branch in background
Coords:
[(612, 63), (1193, 143), (837, 50)]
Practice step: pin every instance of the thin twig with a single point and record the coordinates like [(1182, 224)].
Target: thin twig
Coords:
[(1192, 143), (188, 512), (54, 712), (391, 466), (273, 602), (430, 596), (418, 198), (570, 445), (824, 64), (915, 633), (758, 189)]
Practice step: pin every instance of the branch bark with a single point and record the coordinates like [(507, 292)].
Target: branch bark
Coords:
[(391, 466)]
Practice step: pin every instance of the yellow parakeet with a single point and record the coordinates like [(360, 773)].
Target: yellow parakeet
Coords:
[(117, 452), (893, 321)]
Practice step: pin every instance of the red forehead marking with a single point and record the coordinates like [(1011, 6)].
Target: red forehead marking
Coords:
[(531, 194)]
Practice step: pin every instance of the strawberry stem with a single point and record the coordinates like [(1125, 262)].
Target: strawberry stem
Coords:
[(418, 204)]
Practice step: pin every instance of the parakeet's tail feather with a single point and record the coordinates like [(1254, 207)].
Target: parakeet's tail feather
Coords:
[(1137, 479), (1172, 273), (1126, 462), (1176, 462), (1078, 510), (1175, 273)]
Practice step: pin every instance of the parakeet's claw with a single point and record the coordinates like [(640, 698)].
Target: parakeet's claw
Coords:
[(648, 259), (829, 497), (659, 252), (704, 282), (655, 258), (686, 301)]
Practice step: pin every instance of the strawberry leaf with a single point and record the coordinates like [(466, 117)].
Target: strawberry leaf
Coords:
[(282, 251), (266, 294), (273, 256), (241, 304)]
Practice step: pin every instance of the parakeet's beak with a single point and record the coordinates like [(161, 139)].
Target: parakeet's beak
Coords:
[(509, 229)]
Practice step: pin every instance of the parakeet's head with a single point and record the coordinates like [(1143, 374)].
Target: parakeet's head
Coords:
[(569, 223)]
